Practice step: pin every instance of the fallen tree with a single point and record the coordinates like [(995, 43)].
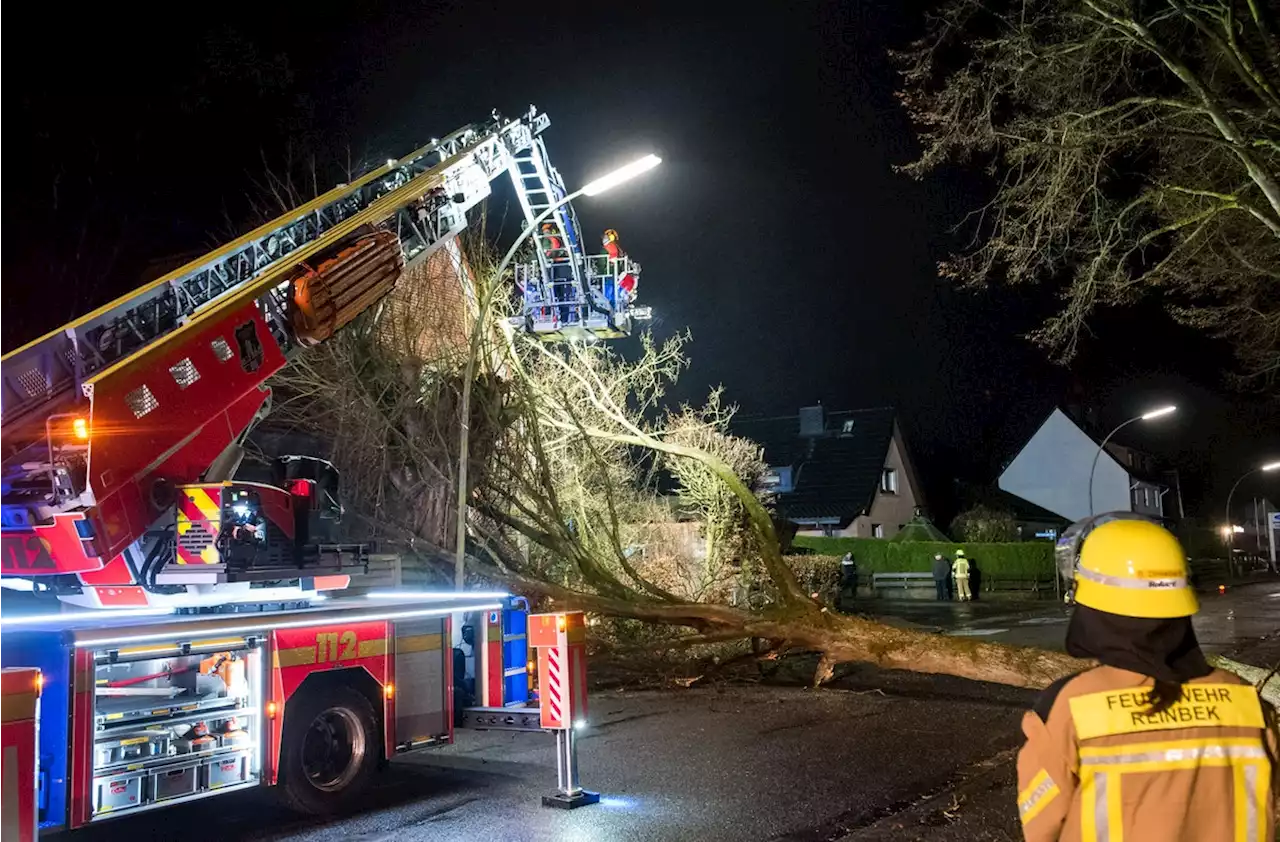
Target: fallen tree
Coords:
[(568, 441)]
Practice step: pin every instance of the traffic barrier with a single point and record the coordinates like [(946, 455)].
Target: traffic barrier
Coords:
[(19, 706), (561, 641)]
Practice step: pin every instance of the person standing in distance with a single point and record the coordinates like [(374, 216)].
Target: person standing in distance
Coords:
[(1153, 743), (960, 569), (941, 578)]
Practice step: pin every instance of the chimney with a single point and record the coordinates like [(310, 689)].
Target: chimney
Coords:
[(813, 422)]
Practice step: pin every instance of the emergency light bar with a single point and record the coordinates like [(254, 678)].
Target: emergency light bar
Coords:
[(72, 616)]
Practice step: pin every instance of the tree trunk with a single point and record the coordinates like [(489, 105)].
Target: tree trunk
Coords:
[(838, 638)]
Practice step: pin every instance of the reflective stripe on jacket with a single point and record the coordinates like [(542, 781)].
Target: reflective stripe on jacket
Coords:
[(960, 567), (1098, 766)]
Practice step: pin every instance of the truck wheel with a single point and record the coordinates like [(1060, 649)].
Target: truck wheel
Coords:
[(330, 751)]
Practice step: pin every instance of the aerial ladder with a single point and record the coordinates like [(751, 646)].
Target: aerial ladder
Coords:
[(567, 294), (123, 429)]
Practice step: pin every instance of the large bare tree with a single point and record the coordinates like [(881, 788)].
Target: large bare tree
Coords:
[(1134, 147)]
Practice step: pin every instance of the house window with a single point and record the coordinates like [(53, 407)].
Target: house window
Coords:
[(877, 530), (889, 481), (847, 426)]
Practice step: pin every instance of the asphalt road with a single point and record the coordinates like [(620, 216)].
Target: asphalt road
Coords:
[(1242, 622), (730, 762)]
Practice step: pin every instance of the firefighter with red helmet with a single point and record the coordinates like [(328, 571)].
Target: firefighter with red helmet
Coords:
[(1153, 743), (626, 280)]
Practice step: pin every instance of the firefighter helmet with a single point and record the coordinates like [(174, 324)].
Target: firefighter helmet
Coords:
[(610, 235), (1134, 568)]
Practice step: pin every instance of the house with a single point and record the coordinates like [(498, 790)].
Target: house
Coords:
[(1052, 471), (838, 473)]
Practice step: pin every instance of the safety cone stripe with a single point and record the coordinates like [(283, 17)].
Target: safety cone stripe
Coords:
[(553, 682)]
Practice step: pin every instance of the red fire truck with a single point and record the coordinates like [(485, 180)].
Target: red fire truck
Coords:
[(143, 711), (122, 434)]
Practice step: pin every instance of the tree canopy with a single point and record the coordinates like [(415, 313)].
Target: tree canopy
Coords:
[(1134, 147)]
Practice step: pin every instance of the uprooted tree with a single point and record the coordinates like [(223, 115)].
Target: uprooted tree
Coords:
[(1135, 152), (568, 444)]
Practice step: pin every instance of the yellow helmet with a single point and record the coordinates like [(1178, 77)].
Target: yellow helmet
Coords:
[(610, 235), (1134, 568)]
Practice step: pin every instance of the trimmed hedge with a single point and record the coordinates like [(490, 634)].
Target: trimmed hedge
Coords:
[(1019, 560)]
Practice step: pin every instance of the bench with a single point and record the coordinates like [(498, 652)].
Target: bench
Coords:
[(900, 581)]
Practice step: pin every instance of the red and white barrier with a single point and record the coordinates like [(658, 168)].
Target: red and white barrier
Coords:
[(561, 641)]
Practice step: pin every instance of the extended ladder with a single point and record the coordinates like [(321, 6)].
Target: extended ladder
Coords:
[(43, 374), (566, 293)]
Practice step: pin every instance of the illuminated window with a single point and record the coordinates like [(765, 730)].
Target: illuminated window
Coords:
[(877, 530), (889, 481)]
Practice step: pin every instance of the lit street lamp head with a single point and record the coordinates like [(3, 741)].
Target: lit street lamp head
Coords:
[(1156, 413), (1271, 466), (621, 174)]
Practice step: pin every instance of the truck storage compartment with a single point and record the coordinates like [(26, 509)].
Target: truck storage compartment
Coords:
[(173, 721), (171, 783), (117, 792), (227, 770)]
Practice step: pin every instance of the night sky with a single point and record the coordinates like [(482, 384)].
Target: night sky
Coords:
[(776, 229)]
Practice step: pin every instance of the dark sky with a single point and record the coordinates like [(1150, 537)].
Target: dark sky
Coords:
[(775, 230)]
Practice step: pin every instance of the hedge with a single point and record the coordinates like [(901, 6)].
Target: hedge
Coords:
[(1019, 560)]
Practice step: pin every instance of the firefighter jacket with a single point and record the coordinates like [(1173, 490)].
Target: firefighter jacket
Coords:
[(1098, 766), (960, 568)]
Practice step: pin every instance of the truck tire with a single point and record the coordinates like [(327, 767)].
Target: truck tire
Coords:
[(330, 750)]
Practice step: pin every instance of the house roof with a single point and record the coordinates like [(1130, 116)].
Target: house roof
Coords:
[(919, 528), (836, 474)]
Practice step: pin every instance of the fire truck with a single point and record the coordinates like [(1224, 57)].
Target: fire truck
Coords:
[(122, 434), (139, 710)]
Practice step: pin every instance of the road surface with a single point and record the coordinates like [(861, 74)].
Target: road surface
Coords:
[(729, 762)]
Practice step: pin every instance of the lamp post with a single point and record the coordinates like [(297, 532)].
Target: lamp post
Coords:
[(1146, 416), (593, 188), (1228, 531)]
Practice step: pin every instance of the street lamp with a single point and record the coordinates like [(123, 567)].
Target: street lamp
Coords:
[(1227, 530), (1146, 416), (592, 188)]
